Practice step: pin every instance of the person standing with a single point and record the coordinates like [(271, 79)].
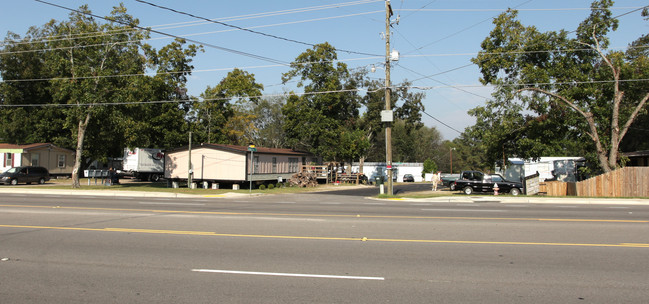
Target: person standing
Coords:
[(436, 179)]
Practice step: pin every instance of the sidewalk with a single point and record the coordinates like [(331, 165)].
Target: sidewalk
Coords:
[(114, 193), (523, 199), (31, 190)]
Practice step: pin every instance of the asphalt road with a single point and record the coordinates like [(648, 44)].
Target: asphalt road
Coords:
[(318, 248), (398, 189)]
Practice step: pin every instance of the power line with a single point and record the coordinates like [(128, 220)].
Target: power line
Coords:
[(231, 18), (431, 116), (522, 9), (464, 29), (259, 57), (245, 29), (181, 100), (458, 88), (306, 63), (44, 40), (182, 72), (278, 13), (325, 92)]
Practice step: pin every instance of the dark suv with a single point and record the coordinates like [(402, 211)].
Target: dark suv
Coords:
[(26, 175)]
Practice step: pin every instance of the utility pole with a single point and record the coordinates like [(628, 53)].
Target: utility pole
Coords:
[(451, 151), (190, 172), (388, 105)]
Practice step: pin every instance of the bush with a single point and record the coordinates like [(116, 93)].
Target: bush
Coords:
[(271, 187), (262, 187)]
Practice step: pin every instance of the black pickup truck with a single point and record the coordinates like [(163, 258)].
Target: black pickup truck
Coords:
[(476, 181)]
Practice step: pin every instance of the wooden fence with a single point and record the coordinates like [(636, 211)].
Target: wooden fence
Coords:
[(624, 182), (320, 171)]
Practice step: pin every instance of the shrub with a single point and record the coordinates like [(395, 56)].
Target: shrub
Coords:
[(271, 187), (262, 187)]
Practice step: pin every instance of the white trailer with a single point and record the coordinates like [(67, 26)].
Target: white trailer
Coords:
[(143, 163)]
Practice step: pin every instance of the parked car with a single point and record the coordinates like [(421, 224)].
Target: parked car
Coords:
[(408, 178), (448, 180), (476, 181), (27, 174)]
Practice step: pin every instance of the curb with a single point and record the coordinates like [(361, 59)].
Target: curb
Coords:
[(532, 200), (108, 193)]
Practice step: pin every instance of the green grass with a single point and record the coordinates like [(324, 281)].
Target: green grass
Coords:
[(127, 185)]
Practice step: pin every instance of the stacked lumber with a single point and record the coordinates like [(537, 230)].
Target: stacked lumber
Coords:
[(303, 179)]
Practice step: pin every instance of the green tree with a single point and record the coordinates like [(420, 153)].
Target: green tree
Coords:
[(410, 143), (160, 125), (226, 112), (22, 67), (269, 122), (429, 167), (86, 66), (570, 88), (87, 74), (325, 119)]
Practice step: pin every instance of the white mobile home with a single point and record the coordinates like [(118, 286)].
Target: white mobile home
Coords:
[(230, 163), (377, 169), (560, 168)]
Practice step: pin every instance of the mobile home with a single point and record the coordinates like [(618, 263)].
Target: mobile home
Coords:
[(232, 164)]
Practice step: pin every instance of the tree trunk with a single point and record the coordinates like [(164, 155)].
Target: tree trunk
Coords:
[(83, 124)]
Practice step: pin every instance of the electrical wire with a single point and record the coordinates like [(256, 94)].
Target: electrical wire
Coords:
[(185, 35), (246, 29), (197, 23), (431, 116), (306, 63), (323, 92), (259, 57), (448, 85), (182, 72), (521, 9), (183, 101)]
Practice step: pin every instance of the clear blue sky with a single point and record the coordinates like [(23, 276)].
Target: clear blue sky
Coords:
[(432, 37)]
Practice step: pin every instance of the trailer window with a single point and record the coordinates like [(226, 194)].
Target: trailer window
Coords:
[(35, 158), (293, 164)]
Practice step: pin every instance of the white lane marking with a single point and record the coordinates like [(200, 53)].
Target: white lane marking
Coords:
[(473, 210), (421, 204), (329, 203), (302, 275), (567, 206), (374, 203), (178, 204), (618, 207), (517, 205), (285, 203)]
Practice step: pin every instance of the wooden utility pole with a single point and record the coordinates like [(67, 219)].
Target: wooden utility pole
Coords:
[(189, 162), (388, 105)]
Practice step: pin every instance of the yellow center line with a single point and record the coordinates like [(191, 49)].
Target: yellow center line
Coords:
[(329, 215), (363, 239)]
